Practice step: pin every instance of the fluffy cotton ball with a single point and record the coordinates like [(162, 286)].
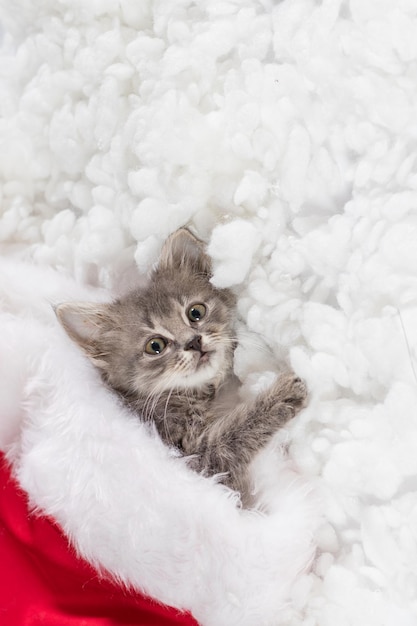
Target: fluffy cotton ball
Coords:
[(232, 247)]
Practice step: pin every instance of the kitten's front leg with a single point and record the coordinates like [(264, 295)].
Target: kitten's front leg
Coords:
[(231, 442)]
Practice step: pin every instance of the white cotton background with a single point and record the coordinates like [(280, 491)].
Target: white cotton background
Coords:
[(285, 135)]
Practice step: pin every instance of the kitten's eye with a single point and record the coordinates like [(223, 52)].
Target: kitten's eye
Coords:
[(196, 312), (156, 345)]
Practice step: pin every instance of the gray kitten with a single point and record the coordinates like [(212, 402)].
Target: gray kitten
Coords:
[(167, 349)]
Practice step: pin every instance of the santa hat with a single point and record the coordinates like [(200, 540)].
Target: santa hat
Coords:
[(102, 485)]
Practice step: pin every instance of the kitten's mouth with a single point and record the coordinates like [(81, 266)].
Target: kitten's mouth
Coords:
[(204, 358)]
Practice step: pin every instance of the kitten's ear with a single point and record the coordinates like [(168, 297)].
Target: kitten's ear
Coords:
[(84, 322), (184, 251)]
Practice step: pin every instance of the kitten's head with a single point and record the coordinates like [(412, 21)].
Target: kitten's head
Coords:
[(175, 333)]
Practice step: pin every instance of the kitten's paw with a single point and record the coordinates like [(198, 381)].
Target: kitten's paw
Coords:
[(283, 400), (292, 390), (289, 396)]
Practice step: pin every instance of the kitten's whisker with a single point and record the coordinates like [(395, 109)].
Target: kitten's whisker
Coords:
[(150, 403), (162, 387), (253, 342), (165, 418)]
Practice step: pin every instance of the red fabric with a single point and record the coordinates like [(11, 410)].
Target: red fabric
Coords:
[(44, 583)]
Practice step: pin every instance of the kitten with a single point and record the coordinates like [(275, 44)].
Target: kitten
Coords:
[(167, 349)]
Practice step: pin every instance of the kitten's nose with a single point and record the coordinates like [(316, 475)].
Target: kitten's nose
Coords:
[(194, 344)]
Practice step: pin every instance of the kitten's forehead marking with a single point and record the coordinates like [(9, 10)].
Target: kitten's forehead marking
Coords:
[(169, 321), (156, 326), (177, 312), (158, 329)]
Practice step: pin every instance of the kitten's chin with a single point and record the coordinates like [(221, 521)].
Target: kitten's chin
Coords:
[(208, 371), (204, 375)]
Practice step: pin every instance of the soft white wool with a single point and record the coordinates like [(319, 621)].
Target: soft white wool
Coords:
[(288, 130)]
